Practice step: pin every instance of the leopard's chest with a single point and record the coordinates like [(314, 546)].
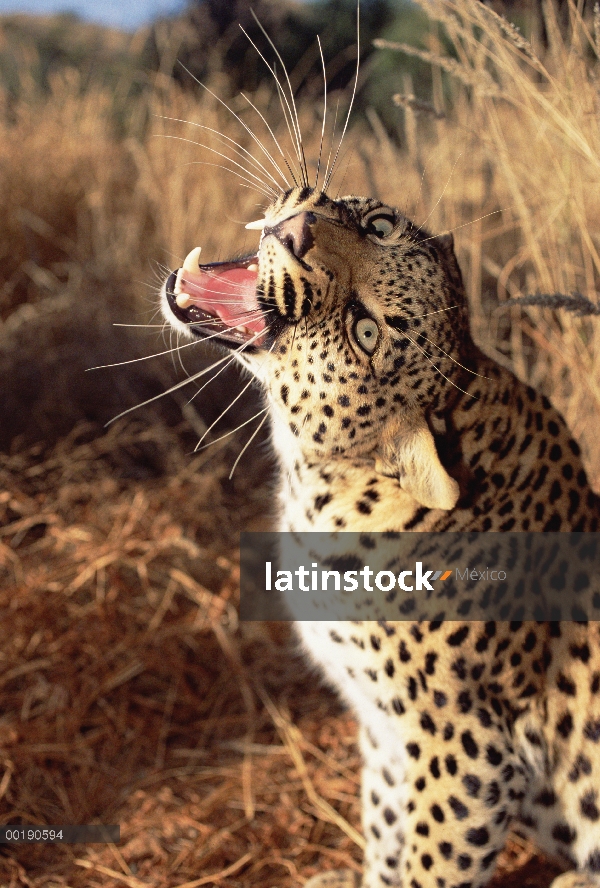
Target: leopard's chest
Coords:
[(344, 653)]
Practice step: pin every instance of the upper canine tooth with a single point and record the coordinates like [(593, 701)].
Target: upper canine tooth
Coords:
[(183, 300), (192, 260), (253, 267), (258, 225)]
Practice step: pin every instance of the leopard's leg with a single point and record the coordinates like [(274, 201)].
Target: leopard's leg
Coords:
[(383, 806), (383, 797), (436, 809)]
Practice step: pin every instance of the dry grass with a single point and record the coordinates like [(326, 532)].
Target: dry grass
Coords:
[(130, 694), (128, 691)]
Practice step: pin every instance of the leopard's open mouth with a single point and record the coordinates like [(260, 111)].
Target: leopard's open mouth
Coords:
[(219, 300)]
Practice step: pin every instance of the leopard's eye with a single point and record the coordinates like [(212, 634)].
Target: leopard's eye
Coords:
[(367, 334), (381, 226)]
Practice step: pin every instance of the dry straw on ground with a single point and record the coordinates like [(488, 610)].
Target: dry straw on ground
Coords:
[(128, 691), (130, 694)]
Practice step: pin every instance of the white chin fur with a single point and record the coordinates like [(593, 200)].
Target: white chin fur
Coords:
[(170, 317)]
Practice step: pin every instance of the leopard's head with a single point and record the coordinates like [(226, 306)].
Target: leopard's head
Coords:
[(353, 319)]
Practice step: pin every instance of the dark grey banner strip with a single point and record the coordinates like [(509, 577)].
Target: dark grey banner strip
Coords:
[(420, 576)]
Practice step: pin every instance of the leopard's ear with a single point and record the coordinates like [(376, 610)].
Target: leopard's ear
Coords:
[(408, 452)]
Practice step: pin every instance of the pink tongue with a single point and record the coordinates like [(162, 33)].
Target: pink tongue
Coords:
[(230, 295)]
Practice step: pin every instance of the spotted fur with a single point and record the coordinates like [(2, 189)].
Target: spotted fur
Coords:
[(465, 728)]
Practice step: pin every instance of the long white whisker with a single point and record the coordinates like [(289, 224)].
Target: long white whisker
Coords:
[(237, 397), (283, 101), (437, 311), (255, 189), (458, 364), (466, 224), (337, 109), (225, 366), (253, 176), (260, 425), (232, 431), (324, 112), (212, 378), (184, 382), (420, 191), (220, 166), (291, 124), (168, 351), (173, 388), (222, 414), (237, 117), (248, 442), (239, 149), (328, 179), (437, 369), (298, 131), (248, 315), (275, 140), (179, 350), (343, 179), (435, 206), (159, 278)]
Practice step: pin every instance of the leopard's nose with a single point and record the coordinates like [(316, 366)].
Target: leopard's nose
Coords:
[(295, 233)]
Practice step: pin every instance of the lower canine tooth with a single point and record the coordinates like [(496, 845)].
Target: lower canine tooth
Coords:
[(192, 260), (253, 267), (177, 287), (183, 300)]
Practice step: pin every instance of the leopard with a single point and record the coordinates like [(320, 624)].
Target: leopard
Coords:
[(386, 417)]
